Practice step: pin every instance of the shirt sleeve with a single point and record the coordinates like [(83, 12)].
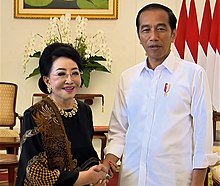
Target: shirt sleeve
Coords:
[(118, 124), (201, 110), (67, 178)]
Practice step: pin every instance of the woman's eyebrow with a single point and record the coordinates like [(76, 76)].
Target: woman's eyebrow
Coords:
[(75, 68)]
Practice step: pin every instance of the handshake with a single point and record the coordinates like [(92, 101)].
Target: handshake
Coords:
[(98, 175)]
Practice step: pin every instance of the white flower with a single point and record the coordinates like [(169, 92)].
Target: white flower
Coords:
[(29, 50), (92, 48)]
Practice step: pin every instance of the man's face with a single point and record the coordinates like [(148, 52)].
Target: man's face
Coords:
[(155, 34)]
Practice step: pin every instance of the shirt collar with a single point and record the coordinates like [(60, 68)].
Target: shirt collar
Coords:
[(169, 63)]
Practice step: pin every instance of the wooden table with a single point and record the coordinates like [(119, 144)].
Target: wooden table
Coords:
[(10, 162), (11, 144), (100, 133), (101, 129)]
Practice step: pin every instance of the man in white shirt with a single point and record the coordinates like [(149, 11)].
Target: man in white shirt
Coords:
[(161, 123)]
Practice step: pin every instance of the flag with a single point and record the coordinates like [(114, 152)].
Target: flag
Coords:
[(192, 32), (205, 26), (181, 30), (204, 34), (216, 77), (212, 54)]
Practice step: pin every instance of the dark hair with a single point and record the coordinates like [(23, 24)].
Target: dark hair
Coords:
[(155, 6), (50, 54)]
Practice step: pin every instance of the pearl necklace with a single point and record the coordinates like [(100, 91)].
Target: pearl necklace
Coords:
[(67, 113)]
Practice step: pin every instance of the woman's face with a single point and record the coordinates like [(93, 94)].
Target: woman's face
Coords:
[(64, 79)]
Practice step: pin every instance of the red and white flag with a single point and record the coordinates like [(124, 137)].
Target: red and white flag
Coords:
[(192, 34), (203, 47), (212, 56), (204, 34), (181, 30), (216, 77)]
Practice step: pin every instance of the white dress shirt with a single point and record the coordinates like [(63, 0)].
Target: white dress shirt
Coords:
[(162, 124)]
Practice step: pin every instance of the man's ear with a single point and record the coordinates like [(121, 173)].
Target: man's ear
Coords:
[(173, 35), (139, 37)]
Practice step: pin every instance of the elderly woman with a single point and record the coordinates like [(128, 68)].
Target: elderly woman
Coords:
[(57, 131)]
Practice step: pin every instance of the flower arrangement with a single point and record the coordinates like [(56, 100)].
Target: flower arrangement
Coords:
[(95, 54)]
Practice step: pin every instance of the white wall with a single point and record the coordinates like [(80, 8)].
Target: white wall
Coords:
[(121, 35), (1, 17)]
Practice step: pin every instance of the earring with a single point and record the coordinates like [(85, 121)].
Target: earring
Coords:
[(49, 90)]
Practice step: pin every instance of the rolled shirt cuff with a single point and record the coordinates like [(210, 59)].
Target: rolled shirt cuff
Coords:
[(206, 160), (116, 150)]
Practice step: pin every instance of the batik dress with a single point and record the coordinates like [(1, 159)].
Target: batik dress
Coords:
[(54, 148)]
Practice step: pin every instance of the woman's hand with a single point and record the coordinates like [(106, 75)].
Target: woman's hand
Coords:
[(101, 167), (100, 183), (93, 176)]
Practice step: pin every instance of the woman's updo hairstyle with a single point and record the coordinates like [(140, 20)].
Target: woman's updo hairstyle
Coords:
[(50, 54)]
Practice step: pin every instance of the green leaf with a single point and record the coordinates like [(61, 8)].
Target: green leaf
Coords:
[(96, 66), (92, 4), (86, 77), (35, 72), (38, 2), (97, 58), (36, 54)]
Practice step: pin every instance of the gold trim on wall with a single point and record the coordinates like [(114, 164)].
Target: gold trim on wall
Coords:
[(40, 13)]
